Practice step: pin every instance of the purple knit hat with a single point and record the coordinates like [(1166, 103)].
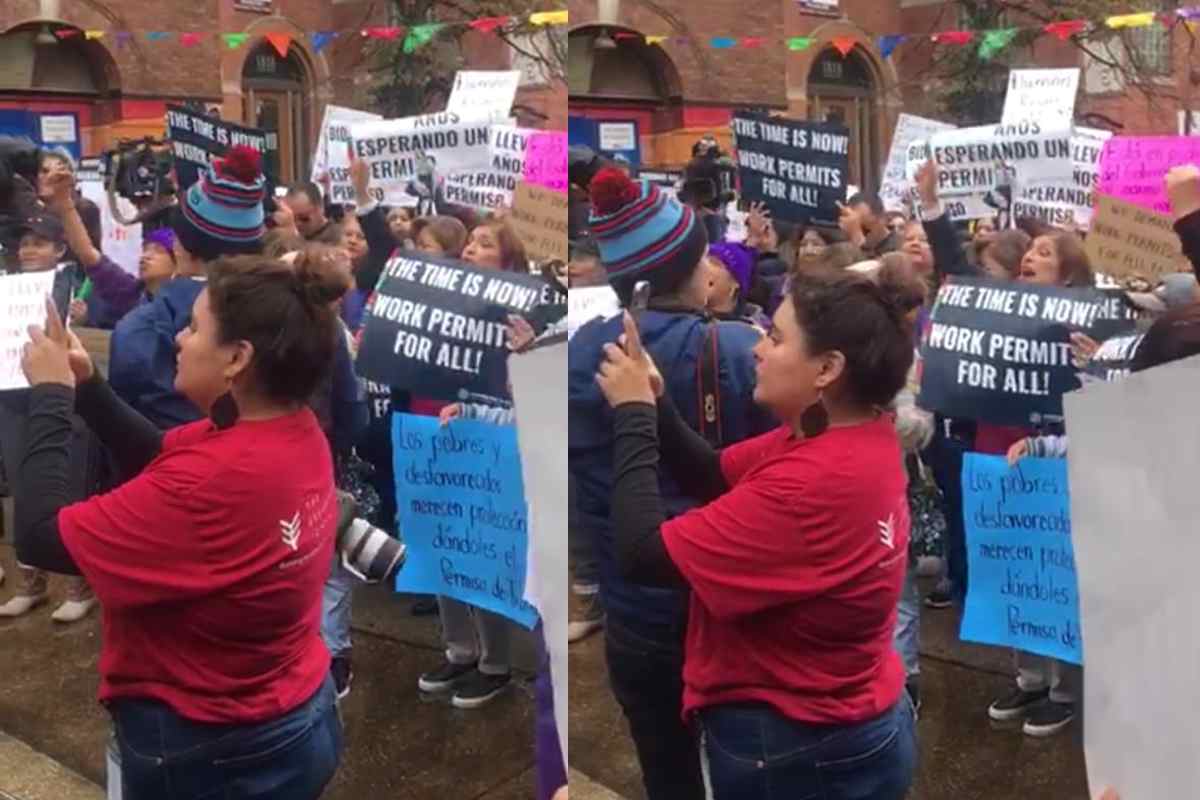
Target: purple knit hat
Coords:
[(163, 237), (738, 259)]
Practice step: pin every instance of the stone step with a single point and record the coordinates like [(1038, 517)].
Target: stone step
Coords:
[(26, 774)]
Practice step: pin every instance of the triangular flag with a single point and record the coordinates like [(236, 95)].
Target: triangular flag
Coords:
[(67, 33), (390, 32), (548, 18), (655, 39), (995, 41), (123, 38), (626, 35), (157, 36), (1131, 20), (320, 39), (844, 44), (888, 44), (488, 24), (281, 42), (189, 39), (234, 40), (798, 43), (722, 42), (419, 35), (1066, 29), (1192, 12), (753, 41), (91, 35), (953, 37)]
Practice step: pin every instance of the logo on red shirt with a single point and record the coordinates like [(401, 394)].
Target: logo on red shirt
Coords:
[(291, 531), (887, 531)]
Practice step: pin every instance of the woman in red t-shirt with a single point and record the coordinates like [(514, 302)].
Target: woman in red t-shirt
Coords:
[(796, 562), (209, 563)]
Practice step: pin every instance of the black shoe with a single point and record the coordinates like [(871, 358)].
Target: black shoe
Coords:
[(446, 677), (478, 689), (343, 675), (1016, 704), (425, 607), (938, 599), (1048, 718), (913, 687)]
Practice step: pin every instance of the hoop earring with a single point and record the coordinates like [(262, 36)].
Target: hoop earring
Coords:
[(815, 419), (224, 411)]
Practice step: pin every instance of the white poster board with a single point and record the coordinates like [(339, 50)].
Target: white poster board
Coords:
[(588, 303), (1067, 201), (616, 136), (121, 243), (539, 387), (23, 303), (481, 91), (493, 186), (1042, 95), (896, 185), (333, 150), (1139, 599)]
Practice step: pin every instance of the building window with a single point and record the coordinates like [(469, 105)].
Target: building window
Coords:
[(1152, 44)]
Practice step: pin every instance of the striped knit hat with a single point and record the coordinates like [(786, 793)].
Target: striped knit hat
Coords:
[(642, 234), (222, 213)]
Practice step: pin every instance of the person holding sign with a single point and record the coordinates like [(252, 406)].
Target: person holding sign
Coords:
[(494, 245), (795, 562)]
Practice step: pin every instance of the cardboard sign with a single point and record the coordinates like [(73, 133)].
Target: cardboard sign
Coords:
[(1042, 95), (546, 160), (22, 303), (1127, 240), (493, 186), (1067, 202), (438, 325), (981, 160), (460, 499), (1000, 352), (333, 150), (197, 139), (479, 91), (799, 169), (1133, 168), (589, 303), (1023, 591), (413, 157), (540, 218), (896, 187)]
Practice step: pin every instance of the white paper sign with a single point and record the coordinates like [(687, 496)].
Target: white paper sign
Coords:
[(121, 243), (58, 129), (896, 185), (22, 303), (333, 150), (618, 136), (1068, 201), (539, 388), (493, 186), (1138, 597), (477, 92), (586, 304), (1042, 95), (410, 158), (739, 227)]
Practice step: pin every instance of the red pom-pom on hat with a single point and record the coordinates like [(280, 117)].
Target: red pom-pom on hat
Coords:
[(242, 163), (611, 190)]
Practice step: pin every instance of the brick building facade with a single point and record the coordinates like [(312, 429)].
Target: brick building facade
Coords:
[(674, 90)]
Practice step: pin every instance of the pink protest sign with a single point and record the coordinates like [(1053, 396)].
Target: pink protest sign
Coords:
[(1132, 168), (546, 160)]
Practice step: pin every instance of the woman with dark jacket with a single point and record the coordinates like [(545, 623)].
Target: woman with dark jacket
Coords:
[(795, 556), (208, 573)]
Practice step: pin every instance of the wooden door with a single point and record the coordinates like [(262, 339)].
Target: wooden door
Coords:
[(276, 112), (847, 111)]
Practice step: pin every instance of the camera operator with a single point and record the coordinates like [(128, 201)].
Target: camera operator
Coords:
[(708, 182)]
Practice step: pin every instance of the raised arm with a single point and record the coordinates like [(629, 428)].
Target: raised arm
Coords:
[(948, 255)]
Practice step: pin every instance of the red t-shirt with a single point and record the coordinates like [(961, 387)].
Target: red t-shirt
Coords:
[(210, 566), (796, 573)]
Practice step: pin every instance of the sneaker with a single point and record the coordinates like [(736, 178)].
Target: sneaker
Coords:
[(591, 619), (1048, 718), (1016, 704), (73, 610), (342, 674), (446, 677), (938, 598), (22, 604), (478, 689)]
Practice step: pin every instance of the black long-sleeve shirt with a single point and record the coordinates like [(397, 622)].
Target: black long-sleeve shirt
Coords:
[(41, 487)]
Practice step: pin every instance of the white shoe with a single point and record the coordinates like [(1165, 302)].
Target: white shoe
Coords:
[(22, 604), (578, 630), (73, 610)]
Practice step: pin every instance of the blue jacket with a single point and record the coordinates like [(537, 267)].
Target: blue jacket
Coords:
[(141, 365), (675, 341)]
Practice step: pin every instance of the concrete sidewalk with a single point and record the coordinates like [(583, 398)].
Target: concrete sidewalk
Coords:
[(26, 774)]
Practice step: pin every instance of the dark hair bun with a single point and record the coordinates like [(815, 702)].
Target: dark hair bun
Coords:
[(321, 277)]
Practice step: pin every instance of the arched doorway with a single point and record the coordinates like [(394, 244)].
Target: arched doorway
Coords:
[(844, 90), (277, 100)]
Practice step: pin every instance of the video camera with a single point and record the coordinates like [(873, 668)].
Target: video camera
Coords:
[(18, 194), (139, 169)]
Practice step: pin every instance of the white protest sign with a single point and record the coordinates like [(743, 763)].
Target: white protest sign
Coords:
[(121, 243), (1138, 597), (478, 91), (1069, 200), (493, 186), (22, 303), (738, 228), (980, 159), (410, 158), (333, 150), (586, 304), (539, 388), (1042, 95), (896, 184)]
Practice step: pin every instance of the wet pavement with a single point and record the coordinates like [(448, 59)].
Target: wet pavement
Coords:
[(399, 746), (963, 755)]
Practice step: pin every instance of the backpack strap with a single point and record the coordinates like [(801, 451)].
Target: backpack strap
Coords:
[(708, 381)]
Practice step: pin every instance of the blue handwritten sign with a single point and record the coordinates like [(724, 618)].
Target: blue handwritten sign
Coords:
[(462, 512), (1023, 591)]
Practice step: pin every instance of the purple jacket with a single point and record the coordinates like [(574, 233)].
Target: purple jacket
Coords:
[(116, 287)]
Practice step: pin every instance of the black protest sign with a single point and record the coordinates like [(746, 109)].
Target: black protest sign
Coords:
[(197, 139), (437, 326), (1000, 352), (797, 168), (1113, 359)]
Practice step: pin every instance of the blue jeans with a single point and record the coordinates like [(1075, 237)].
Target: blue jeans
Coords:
[(907, 637), (754, 753), (166, 757), (336, 604)]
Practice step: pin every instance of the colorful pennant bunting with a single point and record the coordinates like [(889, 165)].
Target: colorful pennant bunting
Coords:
[(953, 37), (655, 39), (489, 24), (753, 41), (1066, 29), (388, 33), (92, 35), (66, 33), (995, 41), (722, 42), (420, 35), (234, 40), (888, 44), (1140, 20), (281, 42), (189, 39), (548, 18), (157, 36), (798, 43), (844, 44), (322, 38)]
